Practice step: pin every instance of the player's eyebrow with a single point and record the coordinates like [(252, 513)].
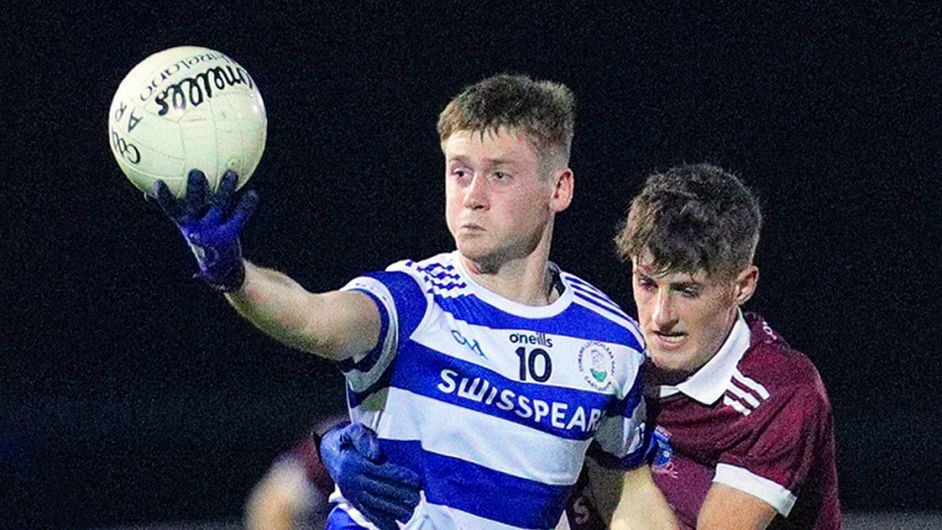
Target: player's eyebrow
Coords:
[(686, 285), (487, 162), (679, 284)]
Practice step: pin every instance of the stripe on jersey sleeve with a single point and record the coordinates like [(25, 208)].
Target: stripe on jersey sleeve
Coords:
[(776, 495), (593, 295), (461, 485), (364, 363), (401, 305), (411, 303)]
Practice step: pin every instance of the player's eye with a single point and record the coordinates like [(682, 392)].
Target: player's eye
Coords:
[(500, 176), (690, 292)]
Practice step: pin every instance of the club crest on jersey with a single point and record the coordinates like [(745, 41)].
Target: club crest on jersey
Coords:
[(663, 459), (597, 365)]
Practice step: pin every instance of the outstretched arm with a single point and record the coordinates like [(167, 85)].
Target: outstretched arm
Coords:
[(335, 325)]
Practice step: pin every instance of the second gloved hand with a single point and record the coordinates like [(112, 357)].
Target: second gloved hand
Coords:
[(382, 491)]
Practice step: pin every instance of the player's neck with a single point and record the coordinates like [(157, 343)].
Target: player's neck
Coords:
[(527, 280)]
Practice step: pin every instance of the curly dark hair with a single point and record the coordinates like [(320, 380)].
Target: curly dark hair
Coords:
[(693, 218)]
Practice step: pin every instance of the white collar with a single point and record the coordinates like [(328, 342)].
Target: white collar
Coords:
[(708, 384)]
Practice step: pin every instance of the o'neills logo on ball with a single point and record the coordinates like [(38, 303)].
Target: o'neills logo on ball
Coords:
[(597, 364), (186, 63), (193, 91)]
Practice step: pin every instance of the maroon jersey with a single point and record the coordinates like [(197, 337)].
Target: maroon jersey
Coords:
[(756, 417), (305, 453)]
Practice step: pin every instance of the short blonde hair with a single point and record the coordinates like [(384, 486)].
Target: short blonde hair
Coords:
[(544, 111)]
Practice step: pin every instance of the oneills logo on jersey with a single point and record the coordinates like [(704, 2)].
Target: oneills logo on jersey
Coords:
[(540, 339), (597, 364), (556, 414)]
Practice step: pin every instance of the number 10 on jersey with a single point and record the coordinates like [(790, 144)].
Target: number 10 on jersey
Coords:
[(534, 364)]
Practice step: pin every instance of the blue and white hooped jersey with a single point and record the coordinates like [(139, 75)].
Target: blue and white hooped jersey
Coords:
[(495, 403)]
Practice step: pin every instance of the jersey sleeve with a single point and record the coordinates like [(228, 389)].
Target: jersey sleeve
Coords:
[(621, 440), (402, 305), (774, 460)]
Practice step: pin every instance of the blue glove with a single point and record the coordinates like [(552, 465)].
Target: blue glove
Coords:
[(211, 226), (382, 491)]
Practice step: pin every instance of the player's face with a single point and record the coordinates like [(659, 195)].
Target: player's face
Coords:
[(498, 207), (685, 317)]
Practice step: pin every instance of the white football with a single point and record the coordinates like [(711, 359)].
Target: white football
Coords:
[(186, 108)]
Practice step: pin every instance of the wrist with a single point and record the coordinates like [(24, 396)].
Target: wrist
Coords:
[(221, 267)]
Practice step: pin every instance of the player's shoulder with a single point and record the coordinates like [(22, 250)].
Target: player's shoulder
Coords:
[(439, 268), (601, 306), (586, 293), (773, 363), (430, 274)]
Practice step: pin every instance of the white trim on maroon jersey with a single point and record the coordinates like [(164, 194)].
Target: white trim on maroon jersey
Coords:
[(744, 394), (776, 495)]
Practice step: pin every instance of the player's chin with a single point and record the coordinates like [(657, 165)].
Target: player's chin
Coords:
[(672, 361), (486, 258), (473, 248)]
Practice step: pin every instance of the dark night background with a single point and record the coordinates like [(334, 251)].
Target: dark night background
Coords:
[(130, 393)]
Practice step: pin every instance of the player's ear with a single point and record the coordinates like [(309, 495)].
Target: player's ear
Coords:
[(563, 184), (746, 282)]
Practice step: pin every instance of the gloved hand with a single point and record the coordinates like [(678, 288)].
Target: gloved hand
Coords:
[(211, 226), (381, 491)]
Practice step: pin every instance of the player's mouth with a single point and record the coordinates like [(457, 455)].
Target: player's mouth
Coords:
[(668, 340), (472, 227)]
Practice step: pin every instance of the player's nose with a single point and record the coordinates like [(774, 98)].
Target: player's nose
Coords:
[(475, 193), (663, 314)]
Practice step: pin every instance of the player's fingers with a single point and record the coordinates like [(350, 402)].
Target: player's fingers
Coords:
[(166, 200), (196, 185), (243, 211), (214, 216), (365, 441), (395, 493), (378, 508), (227, 186), (395, 475)]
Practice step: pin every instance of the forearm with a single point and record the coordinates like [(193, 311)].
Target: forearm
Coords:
[(629, 500), (729, 508), (331, 325), (643, 506), (335, 325), (280, 499)]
